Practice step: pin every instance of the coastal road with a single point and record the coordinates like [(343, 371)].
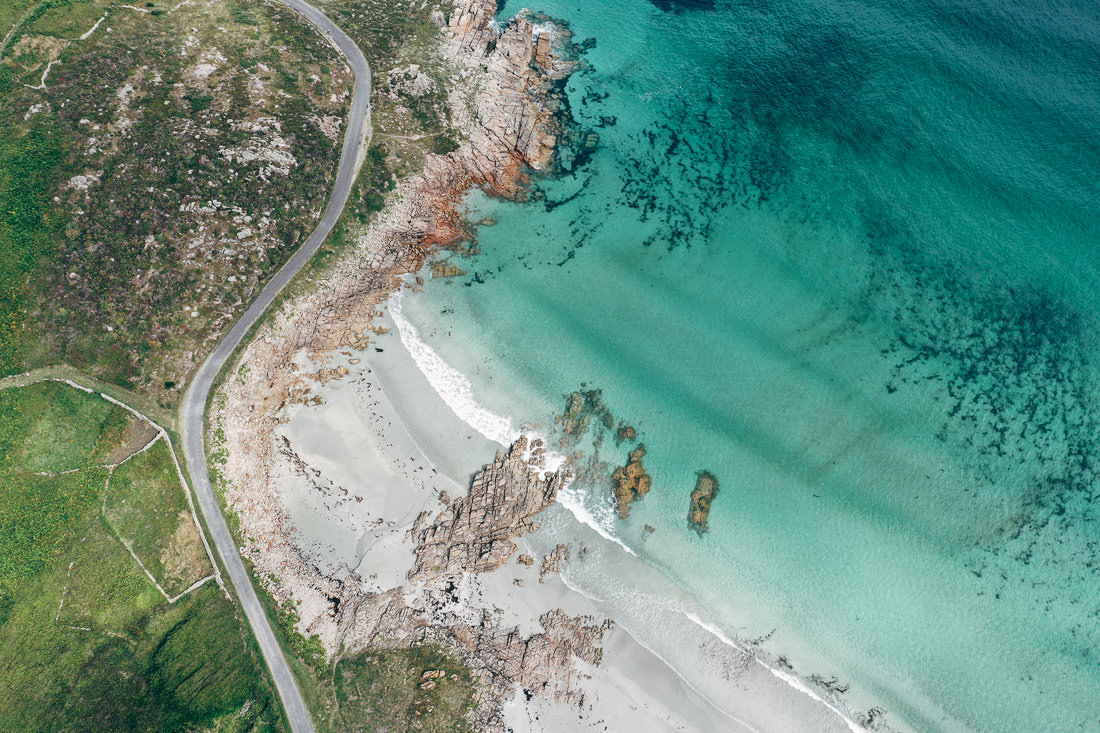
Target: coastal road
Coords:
[(194, 401)]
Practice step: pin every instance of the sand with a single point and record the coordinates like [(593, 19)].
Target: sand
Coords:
[(355, 472)]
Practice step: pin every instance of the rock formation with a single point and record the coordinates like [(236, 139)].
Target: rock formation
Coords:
[(474, 535), (580, 408), (706, 488), (535, 663), (625, 433), (554, 561), (630, 482)]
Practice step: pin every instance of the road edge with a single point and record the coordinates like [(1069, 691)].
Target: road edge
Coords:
[(193, 406)]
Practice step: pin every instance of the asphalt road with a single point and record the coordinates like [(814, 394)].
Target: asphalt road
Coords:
[(194, 401)]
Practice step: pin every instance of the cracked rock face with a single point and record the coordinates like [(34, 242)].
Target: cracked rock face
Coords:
[(475, 533)]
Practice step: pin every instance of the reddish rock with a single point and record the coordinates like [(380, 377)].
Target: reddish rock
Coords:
[(630, 482)]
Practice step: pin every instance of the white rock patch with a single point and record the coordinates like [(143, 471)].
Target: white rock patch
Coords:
[(266, 146)]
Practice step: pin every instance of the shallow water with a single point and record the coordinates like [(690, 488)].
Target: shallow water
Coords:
[(842, 255)]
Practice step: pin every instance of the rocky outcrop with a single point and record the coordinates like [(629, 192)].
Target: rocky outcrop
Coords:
[(474, 534), (446, 269), (536, 663), (502, 101), (554, 561), (625, 433), (581, 408), (630, 482), (706, 488)]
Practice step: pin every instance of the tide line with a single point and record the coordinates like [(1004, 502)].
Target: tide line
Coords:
[(787, 677)]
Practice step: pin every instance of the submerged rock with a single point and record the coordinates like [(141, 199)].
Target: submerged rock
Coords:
[(625, 432), (580, 408), (446, 269), (630, 482), (706, 488)]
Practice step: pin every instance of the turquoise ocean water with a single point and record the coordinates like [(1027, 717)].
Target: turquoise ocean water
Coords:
[(843, 255)]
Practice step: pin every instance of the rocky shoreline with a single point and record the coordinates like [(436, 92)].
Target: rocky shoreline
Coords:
[(502, 104)]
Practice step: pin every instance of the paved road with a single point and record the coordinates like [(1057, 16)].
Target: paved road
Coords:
[(194, 401)]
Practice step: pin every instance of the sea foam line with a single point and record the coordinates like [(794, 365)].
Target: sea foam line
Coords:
[(455, 390), (787, 677), (571, 500), (449, 383), (641, 642)]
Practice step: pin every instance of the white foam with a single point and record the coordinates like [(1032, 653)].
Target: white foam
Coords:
[(456, 391), (787, 677), (642, 643), (573, 500), (451, 385)]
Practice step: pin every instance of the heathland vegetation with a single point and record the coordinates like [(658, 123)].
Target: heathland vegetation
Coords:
[(157, 162)]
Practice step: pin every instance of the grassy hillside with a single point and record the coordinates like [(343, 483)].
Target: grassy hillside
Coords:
[(87, 641)]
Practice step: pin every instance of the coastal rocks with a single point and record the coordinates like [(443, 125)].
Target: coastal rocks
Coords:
[(541, 664), (446, 269), (630, 482), (542, 50), (554, 561), (474, 535), (625, 433), (501, 100), (521, 68), (581, 408), (706, 488)]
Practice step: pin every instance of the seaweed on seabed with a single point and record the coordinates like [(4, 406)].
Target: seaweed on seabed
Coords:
[(706, 488), (679, 6)]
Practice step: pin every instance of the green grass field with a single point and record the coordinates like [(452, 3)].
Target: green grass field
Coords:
[(87, 642), (389, 690), (147, 507)]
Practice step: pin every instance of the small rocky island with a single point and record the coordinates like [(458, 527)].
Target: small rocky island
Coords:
[(630, 482), (706, 488)]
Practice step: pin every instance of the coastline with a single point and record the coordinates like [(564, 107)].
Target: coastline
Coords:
[(353, 513), (385, 406)]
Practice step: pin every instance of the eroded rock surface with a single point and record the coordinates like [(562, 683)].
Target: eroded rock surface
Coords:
[(540, 664), (475, 533)]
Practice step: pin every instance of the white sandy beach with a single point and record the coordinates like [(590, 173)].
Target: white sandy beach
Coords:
[(355, 472)]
